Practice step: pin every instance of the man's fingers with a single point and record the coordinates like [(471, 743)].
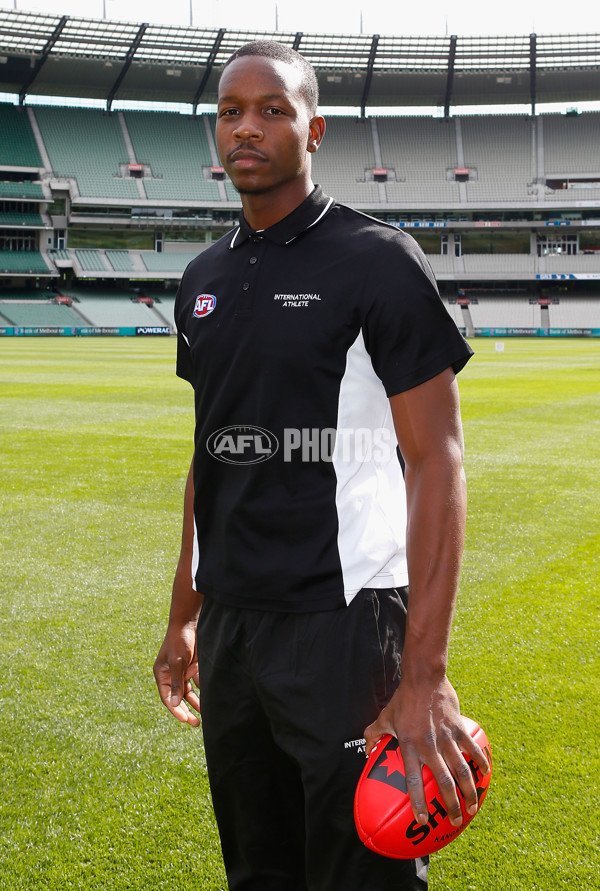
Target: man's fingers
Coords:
[(191, 696), (453, 773), (372, 737), (414, 786), (175, 693)]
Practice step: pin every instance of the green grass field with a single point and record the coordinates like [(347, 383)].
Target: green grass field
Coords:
[(102, 789)]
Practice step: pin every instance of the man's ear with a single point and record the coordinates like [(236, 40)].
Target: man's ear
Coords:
[(316, 131)]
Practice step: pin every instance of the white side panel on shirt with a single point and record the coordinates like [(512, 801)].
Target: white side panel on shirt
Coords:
[(370, 493)]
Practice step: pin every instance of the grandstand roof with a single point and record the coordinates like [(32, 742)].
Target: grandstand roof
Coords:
[(55, 55)]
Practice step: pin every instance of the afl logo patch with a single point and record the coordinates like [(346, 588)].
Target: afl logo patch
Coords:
[(242, 444), (205, 303)]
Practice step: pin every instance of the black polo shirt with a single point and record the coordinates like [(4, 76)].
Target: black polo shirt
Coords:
[(293, 339)]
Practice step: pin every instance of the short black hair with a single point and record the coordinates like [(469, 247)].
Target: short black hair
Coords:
[(271, 49)]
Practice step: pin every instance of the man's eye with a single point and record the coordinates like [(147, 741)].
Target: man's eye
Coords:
[(274, 110)]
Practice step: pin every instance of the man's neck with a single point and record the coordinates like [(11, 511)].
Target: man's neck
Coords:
[(267, 208)]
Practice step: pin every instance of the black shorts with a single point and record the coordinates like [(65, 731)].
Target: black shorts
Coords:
[(285, 699)]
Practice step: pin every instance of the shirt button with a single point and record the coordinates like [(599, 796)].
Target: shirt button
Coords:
[(253, 260), (245, 286)]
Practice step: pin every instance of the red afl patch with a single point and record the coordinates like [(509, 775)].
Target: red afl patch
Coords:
[(205, 303)]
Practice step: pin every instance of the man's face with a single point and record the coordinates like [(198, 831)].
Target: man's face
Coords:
[(263, 126)]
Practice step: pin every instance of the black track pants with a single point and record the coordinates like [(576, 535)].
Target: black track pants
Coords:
[(285, 699)]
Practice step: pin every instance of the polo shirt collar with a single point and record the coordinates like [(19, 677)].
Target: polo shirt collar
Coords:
[(309, 213)]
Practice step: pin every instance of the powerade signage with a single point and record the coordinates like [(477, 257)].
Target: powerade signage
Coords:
[(155, 329)]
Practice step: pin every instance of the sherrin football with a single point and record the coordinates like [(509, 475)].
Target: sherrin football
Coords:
[(382, 809)]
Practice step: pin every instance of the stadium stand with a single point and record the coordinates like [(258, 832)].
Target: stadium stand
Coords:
[(26, 190), (166, 310), (456, 312), (23, 263), (87, 145), (175, 262), (14, 218), (343, 159), (502, 204), (420, 151), (498, 149), (120, 261), (39, 314), (571, 144), (576, 312), (506, 264), (498, 312), (91, 261), (18, 147), (176, 150), (109, 308)]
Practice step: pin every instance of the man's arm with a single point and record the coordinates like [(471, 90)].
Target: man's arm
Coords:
[(177, 662), (424, 712)]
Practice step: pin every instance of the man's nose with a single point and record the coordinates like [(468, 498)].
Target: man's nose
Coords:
[(248, 127)]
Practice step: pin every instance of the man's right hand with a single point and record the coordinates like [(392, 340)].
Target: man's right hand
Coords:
[(174, 669)]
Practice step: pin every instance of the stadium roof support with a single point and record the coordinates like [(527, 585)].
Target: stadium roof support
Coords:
[(369, 76), (128, 60), (42, 58), (450, 75), (209, 67), (532, 70)]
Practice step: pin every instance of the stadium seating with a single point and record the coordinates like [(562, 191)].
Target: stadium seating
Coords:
[(110, 308), (91, 260), (342, 160), (120, 260), (18, 147), (23, 262), (571, 144), (39, 314), (499, 148), (505, 312), (87, 145), (27, 190), (506, 264), (167, 262), (420, 151), (176, 149), (11, 218), (576, 312)]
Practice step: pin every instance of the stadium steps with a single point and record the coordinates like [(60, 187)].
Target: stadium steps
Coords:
[(39, 140), (209, 125), (467, 321), (162, 320), (131, 152)]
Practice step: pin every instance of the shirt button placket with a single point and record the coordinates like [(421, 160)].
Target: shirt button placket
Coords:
[(257, 246)]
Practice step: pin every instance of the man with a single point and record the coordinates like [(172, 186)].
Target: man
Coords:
[(314, 338)]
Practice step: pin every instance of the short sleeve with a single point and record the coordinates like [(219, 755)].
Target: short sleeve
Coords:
[(408, 332), (183, 366)]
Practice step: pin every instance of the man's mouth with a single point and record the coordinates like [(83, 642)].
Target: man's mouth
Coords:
[(246, 158)]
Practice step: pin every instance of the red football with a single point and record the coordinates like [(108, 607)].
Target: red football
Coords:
[(382, 810)]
